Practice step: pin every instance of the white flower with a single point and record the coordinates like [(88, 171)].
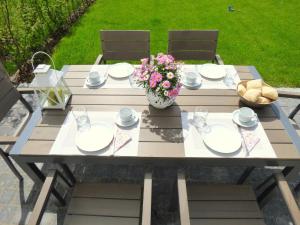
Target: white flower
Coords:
[(166, 93), (146, 77), (170, 75)]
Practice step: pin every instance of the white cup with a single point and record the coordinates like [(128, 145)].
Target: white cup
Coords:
[(247, 115), (126, 114), (191, 77), (94, 77)]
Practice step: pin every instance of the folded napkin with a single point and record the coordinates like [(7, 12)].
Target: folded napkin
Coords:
[(250, 139), (121, 139)]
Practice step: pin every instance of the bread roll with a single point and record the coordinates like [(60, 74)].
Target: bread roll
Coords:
[(263, 100), (254, 84), (269, 92), (241, 90), (252, 95)]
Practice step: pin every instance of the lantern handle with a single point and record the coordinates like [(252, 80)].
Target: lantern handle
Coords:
[(41, 52)]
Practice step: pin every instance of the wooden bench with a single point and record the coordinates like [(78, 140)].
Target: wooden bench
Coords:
[(225, 204), (101, 203)]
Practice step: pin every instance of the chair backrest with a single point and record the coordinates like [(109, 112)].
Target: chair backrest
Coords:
[(8, 93), (125, 44), (193, 44)]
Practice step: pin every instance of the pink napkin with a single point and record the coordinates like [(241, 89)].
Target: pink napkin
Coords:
[(250, 139), (121, 139)]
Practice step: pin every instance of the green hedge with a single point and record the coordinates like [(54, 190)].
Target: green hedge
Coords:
[(30, 25)]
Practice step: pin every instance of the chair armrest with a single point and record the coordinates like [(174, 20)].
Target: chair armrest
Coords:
[(24, 90), (219, 60), (147, 199), (99, 60), (288, 94), (8, 140), (288, 198), (40, 206), (183, 200)]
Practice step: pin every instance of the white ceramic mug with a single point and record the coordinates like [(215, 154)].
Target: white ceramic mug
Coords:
[(94, 77), (191, 77), (247, 115), (126, 114)]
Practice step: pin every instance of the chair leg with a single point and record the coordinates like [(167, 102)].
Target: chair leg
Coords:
[(294, 112), (245, 174), (10, 164)]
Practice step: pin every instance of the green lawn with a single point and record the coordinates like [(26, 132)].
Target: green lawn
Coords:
[(262, 33)]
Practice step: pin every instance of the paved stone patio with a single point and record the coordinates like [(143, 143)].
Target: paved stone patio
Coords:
[(17, 199)]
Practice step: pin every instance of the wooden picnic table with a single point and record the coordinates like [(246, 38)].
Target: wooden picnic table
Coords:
[(160, 140)]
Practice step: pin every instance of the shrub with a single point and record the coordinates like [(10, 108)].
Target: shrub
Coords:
[(31, 25)]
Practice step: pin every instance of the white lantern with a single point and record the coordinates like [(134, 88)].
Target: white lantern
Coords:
[(49, 86)]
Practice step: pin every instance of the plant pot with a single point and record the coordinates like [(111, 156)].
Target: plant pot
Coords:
[(158, 102)]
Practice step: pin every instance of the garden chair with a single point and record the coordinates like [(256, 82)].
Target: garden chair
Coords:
[(124, 45), (287, 94), (101, 204), (9, 95), (227, 204), (194, 45)]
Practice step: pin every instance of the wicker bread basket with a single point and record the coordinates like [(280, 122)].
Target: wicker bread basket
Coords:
[(253, 104)]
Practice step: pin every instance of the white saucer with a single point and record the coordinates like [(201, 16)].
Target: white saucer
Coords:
[(101, 81), (98, 137), (235, 118), (194, 85), (129, 123)]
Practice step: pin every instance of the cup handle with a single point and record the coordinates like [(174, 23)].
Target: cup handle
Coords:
[(255, 118)]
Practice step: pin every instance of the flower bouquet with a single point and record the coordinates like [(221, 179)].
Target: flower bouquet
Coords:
[(161, 80)]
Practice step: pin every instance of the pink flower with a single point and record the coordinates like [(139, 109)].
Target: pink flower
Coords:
[(164, 59), (171, 58), (174, 92), (156, 76), (166, 84), (153, 83), (144, 61)]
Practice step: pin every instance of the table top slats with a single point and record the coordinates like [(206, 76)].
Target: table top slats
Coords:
[(161, 131)]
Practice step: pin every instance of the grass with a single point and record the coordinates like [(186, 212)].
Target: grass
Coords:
[(261, 33)]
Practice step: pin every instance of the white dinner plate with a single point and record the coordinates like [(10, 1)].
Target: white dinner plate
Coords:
[(235, 118), (223, 139), (212, 71), (96, 138), (120, 70)]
